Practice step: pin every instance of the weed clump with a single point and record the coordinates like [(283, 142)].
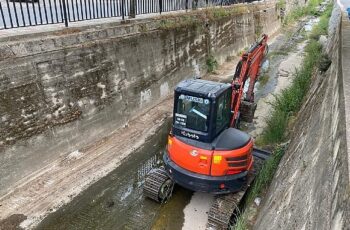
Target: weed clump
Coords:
[(262, 180), (281, 4), (263, 80), (212, 64), (195, 20), (216, 13), (290, 100), (299, 12), (284, 110), (179, 23), (322, 27)]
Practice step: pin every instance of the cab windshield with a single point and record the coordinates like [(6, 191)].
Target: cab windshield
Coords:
[(192, 113)]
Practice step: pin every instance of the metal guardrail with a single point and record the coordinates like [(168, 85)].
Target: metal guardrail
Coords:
[(24, 13)]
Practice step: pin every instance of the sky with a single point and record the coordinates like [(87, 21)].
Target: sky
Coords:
[(344, 3)]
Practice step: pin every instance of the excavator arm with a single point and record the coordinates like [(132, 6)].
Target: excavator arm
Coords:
[(247, 68)]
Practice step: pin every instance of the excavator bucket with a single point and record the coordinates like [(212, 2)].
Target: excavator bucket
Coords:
[(247, 111)]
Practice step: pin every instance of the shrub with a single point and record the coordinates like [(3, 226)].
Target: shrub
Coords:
[(212, 64), (284, 108), (289, 101)]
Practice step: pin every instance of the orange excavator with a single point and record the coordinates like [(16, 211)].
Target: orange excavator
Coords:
[(205, 151)]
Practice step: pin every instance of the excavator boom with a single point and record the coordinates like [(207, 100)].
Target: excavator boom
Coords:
[(247, 68)]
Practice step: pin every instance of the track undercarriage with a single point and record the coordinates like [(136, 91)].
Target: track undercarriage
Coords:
[(159, 186)]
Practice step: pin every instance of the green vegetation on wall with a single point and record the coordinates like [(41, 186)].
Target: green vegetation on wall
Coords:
[(322, 27), (216, 13), (281, 4), (196, 19), (185, 22), (285, 108), (288, 103), (299, 12), (212, 64)]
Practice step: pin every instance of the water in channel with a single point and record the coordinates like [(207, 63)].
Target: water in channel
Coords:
[(116, 201)]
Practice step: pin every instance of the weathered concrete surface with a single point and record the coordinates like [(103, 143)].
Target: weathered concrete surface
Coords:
[(64, 178), (292, 4), (60, 91), (345, 59), (311, 187)]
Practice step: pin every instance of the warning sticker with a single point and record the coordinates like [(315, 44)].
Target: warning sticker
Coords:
[(180, 120)]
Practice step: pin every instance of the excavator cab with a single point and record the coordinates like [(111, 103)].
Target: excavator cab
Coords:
[(201, 109), (204, 153)]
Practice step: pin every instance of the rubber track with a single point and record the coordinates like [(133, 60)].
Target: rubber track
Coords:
[(224, 206), (153, 182)]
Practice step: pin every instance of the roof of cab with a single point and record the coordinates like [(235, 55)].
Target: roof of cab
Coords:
[(202, 87)]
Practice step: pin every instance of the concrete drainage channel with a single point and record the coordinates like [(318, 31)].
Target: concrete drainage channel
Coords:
[(116, 201)]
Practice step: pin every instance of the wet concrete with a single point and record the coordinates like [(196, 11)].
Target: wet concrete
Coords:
[(12, 222), (116, 201)]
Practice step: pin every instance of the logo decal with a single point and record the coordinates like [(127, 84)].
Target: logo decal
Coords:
[(194, 153), (191, 98), (190, 135)]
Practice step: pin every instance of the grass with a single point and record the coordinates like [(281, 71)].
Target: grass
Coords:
[(266, 174), (322, 27), (143, 28), (284, 110), (212, 64), (263, 80), (195, 20), (262, 180), (216, 13), (187, 21), (300, 11), (281, 4), (289, 101)]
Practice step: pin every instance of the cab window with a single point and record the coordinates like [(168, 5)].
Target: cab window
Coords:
[(223, 112), (192, 113)]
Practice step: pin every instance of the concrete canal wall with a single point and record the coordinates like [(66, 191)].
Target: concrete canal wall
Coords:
[(64, 89), (311, 187)]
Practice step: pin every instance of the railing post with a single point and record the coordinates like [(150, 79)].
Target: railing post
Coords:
[(65, 12), (132, 9), (123, 10), (194, 4), (186, 5), (160, 6)]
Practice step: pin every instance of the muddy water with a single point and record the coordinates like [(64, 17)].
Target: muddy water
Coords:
[(116, 201)]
